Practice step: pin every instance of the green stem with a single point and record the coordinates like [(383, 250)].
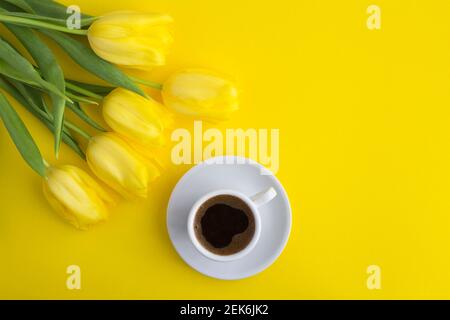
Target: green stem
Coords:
[(43, 113), (83, 91), (148, 83), (78, 130), (80, 99), (47, 165), (39, 24), (68, 124), (84, 21)]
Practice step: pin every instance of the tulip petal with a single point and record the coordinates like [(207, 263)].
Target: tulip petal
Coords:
[(201, 93), (134, 117), (75, 196), (115, 163), (132, 39), (86, 58)]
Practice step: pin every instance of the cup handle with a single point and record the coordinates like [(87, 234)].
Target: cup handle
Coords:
[(264, 197)]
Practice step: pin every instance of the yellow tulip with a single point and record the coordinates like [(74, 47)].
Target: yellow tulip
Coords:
[(201, 93), (139, 120), (114, 162), (132, 39), (76, 196)]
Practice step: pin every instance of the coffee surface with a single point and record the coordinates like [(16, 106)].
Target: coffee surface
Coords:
[(224, 225)]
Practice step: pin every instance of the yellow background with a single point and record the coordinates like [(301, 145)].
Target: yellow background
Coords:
[(364, 155)]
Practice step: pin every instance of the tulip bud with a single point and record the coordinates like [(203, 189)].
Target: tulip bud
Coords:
[(132, 39), (201, 93), (114, 162), (135, 118), (76, 196)]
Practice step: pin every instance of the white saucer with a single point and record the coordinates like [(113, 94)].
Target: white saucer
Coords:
[(212, 175)]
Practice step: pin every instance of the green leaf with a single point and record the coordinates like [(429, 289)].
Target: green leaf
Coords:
[(50, 9), (75, 108), (21, 4), (31, 98), (21, 137), (87, 59), (13, 65), (50, 70), (24, 101), (98, 89), (13, 91), (24, 95), (34, 99), (9, 7), (67, 139)]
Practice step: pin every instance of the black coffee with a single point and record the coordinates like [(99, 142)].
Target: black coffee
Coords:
[(224, 225)]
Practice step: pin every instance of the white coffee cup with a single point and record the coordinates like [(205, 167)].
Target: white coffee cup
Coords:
[(253, 202)]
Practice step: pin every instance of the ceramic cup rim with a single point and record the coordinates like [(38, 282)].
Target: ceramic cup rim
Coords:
[(193, 212)]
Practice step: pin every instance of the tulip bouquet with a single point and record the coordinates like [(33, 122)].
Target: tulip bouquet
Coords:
[(120, 156)]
